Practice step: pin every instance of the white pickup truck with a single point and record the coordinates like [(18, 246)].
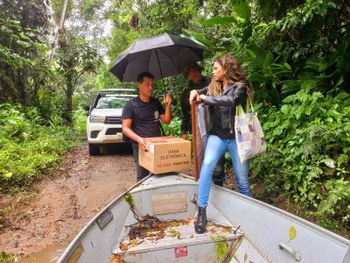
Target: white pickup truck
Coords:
[(104, 121)]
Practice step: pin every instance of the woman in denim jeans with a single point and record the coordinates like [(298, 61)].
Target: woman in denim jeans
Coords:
[(229, 88)]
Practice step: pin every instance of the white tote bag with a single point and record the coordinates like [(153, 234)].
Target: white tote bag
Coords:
[(250, 137)]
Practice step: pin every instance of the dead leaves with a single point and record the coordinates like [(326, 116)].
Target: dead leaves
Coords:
[(152, 229)]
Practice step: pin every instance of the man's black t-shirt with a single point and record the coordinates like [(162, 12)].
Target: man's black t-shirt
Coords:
[(146, 121)]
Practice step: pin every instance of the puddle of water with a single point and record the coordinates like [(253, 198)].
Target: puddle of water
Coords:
[(47, 255)]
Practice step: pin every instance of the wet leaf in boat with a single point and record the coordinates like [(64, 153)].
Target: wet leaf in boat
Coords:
[(245, 258), (117, 259), (129, 199), (187, 220), (133, 243), (224, 247), (123, 246), (292, 233), (172, 230), (221, 249)]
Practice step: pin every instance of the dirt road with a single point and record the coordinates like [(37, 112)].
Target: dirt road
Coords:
[(60, 206)]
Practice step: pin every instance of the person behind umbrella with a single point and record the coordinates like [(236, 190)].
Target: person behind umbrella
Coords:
[(141, 118), (193, 72), (230, 88)]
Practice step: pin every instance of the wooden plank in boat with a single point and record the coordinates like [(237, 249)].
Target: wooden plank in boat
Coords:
[(164, 203)]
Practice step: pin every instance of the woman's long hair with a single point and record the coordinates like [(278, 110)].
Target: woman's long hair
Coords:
[(234, 74)]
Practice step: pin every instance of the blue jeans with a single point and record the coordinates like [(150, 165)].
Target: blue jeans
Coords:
[(214, 150), (219, 172)]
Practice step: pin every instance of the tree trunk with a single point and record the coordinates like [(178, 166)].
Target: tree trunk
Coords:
[(69, 99), (60, 29)]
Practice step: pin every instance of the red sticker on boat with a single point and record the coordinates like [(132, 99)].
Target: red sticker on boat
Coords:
[(181, 252)]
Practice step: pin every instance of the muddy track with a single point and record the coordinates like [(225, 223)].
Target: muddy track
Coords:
[(60, 206)]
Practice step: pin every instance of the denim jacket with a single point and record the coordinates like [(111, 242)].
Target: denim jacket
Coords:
[(227, 102)]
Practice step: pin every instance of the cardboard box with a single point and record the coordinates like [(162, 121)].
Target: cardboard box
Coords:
[(166, 154)]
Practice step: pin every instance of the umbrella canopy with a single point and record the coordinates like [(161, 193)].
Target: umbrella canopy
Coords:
[(163, 56)]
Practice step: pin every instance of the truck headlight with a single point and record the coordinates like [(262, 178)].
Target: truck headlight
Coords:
[(97, 119)]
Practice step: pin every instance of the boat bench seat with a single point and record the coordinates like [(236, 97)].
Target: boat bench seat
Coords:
[(180, 242)]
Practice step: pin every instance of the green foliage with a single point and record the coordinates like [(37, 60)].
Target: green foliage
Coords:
[(221, 249), (29, 150), (174, 128), (22, 62), (79, 120), (221, 246), (129, 199), (295, 50), (75, 57), (173, 85), (6, 257), (333, 211), (57, 7), (308, 154)]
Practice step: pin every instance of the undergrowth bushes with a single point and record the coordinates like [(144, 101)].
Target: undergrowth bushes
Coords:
[(309, 155), (29, 147)]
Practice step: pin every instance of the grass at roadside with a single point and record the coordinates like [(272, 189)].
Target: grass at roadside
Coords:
[(31, 148)]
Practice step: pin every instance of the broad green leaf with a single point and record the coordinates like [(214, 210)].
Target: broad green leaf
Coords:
[(242, 9), (340, 81), (198, 36), (268, 61), (129, 199), (290, 99), (260, 54), (290, 86), (341, 159), (250, 53), (317, 64), (285, 109), (307, 85), (287, 66)]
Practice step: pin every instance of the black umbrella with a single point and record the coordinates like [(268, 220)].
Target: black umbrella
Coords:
[(163, 55)]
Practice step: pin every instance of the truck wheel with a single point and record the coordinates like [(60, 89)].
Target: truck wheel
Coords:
[(94, 149)]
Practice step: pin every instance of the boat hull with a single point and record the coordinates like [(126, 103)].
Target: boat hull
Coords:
[(263, 233)]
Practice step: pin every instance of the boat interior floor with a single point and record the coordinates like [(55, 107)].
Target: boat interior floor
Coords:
[(177, 241)]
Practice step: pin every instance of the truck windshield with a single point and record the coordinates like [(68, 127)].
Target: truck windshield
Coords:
[(111, 102)]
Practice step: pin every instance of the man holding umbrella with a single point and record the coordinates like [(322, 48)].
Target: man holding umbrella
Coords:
[(141, 117), (159, 56)]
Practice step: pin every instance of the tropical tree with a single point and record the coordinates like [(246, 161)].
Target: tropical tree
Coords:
[(23, 67), (76, 50)]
